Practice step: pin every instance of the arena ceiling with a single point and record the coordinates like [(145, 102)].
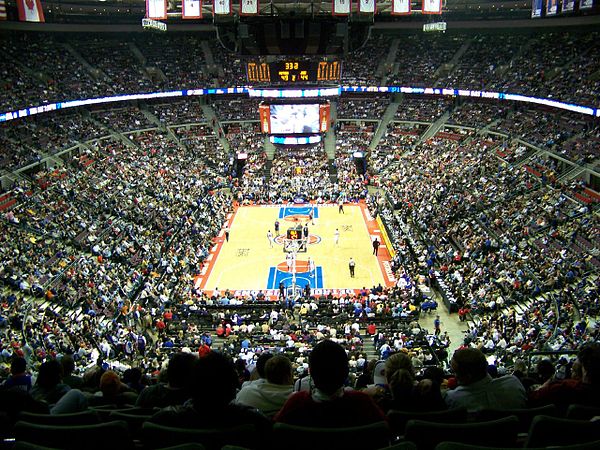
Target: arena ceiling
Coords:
[(65, 9)]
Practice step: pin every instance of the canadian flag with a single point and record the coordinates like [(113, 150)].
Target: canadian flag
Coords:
[(30, 11)]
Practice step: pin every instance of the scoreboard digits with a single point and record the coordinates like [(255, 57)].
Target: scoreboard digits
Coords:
[(328, 71), (293, 71), (258, 72)]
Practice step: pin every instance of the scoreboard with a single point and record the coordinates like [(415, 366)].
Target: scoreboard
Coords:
[(293, 71)]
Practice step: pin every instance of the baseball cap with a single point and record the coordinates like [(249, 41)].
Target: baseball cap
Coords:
[(379, 373)]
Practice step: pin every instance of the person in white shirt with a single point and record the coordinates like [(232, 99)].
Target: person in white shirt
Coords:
[(270, 395)]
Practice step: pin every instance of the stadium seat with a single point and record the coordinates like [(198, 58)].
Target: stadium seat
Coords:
[(426, 435), (158, 436), (79, 418), (372, 436), (398, 419), (546, 431), (406, 445), (582, 412), (134, 421), (459, 446), (92, 437), (524, 415)]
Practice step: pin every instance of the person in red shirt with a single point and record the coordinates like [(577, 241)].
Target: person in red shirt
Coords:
[(584, 391), (328, 404), (371, 329)]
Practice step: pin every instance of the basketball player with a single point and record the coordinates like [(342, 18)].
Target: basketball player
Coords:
[(341, 206), (311, 217), (276, 227), (336, 237), (311, 266), (270, 238)]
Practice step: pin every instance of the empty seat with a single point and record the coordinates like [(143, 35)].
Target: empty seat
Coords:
[(398, 419), (426, 435), (79, 418), (524, 415), (91, 437), (582, 412), (546, 431), (157, 436), (292, 437), (458, 446)]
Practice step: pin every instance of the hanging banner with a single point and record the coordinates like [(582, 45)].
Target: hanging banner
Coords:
[(191, 9), (568, 5), (367, 6), (222, 7), (30, 11), (400, 7), (586, 4), (341, 7), (432, 7), (248, 7), (536, 8), (156, 9), (551, 7), (324, 114), (265, 118)]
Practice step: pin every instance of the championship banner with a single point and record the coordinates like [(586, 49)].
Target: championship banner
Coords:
[(568, 5), (156, 9), (191, 9), (536, 8), (551, 7), (400, 7), (586, 4), (367, 6), (324, 114), (432, 7), (30, 11), (248, 7), (222, 7), (265, 118), (341, 7)]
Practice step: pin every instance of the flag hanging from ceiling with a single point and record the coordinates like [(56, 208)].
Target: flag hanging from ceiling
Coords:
[(585, 4), (341, 7), (400, 7), (366, 6), (30, 11), (551, 7), (222, 7), (191, 9), (536, 8), (432, 7), (156, 9), (568, 5), (248, 7)]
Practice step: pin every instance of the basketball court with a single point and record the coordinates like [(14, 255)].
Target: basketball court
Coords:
[(247, 262)]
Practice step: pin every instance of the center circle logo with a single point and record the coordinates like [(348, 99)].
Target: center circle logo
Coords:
[(312, 239)]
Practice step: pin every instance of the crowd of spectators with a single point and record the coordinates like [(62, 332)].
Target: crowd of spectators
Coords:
[(362, 108), (494, 235), (98, 256)]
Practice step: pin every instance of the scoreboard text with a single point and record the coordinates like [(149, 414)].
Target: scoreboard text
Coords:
[(291, 71)]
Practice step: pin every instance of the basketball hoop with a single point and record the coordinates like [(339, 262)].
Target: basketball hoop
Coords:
[(294, 245)]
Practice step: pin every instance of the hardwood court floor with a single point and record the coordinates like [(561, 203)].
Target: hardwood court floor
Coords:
[(247, 262)]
